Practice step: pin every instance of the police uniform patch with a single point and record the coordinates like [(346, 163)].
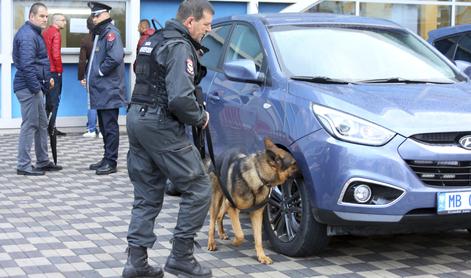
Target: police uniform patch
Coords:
[(189, 66), (110, 37)]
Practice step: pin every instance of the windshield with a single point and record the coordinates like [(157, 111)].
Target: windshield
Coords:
[(357, 54)]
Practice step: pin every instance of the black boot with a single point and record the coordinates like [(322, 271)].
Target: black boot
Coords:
[(182, 262), (137, 266)]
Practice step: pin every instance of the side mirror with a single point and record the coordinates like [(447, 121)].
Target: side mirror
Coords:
[(464, 67), (243, 71)]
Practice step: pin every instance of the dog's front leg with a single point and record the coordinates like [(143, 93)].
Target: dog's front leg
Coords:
[(216, 202), (256, 217), (238, 233)]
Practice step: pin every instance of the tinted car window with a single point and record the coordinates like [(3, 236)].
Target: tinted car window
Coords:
[(447, 46), (464, 49), (244, 44), (214, 41)]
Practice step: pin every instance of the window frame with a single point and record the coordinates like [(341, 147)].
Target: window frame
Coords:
[(454, 46), (458, 44), (128, 48), (219, 63), (263, 67)]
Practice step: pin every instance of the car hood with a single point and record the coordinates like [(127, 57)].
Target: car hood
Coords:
[(406, 109)]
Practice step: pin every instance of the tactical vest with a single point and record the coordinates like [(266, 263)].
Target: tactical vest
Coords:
[(150, 86)]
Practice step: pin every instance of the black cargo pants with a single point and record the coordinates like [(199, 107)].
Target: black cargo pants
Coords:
[(150, 163)]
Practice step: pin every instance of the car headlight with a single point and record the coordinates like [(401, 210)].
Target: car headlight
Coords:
[(349, 128)]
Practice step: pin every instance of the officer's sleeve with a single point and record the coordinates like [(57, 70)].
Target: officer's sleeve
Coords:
[(181, 66), (114, 53)]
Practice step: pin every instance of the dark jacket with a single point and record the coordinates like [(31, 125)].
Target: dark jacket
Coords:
[(105, 76), (31, 61), (86, 45), (52, 38), (174, 62), (180, 58)]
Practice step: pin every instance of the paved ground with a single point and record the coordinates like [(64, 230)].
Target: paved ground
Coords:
[(73, 224)]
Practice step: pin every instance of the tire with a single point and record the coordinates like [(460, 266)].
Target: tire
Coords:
[(303, 235)]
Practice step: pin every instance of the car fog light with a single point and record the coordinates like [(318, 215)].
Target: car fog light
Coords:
[(362, 193)]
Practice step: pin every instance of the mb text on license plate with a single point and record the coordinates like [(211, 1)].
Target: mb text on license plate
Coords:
[(453, 202)]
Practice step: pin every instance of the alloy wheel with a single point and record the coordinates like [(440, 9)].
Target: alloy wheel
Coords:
[(285, 210)]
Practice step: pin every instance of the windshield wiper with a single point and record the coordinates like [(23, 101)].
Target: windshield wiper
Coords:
[(401, 80), (320, 79)]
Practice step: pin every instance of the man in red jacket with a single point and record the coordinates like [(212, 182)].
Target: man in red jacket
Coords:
[(52, 37), (145, 31)]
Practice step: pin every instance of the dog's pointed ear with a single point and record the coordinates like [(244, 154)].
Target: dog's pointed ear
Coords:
[(270, 148), (272, 157), (268, 143)]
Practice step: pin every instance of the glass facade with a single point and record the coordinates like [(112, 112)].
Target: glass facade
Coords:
[(419, 16), (463, 15), (337, 7), (76, 13)]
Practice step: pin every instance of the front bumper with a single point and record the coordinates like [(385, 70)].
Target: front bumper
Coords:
[(328, 164), (342, 223)]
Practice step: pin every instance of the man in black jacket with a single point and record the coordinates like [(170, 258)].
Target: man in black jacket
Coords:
[(32, 81), (105, 83), (163, 102)]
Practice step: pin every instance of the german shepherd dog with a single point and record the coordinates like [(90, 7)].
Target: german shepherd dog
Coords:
[(248, 179)]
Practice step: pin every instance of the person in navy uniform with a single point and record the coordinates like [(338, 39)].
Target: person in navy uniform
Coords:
[(163, 102), (105, 83)]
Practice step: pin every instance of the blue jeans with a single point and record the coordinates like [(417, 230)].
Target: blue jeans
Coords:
[(91, 122)]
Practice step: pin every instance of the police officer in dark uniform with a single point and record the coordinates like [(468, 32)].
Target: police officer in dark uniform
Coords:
[(105, 83), (163, 102)]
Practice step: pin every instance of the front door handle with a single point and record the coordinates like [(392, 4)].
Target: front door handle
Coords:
[(214, 96)]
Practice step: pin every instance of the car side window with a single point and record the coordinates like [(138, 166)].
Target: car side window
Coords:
[(447, 46), (214, 41), (244, 44), (464, 49)]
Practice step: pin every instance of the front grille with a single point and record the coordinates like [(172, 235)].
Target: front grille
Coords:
[(440, 138), (442, 173)]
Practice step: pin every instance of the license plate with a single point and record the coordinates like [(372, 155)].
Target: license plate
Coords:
[(453, 202)]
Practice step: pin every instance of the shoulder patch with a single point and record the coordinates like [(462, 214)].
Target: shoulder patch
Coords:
[(111, 36), (189, 67)]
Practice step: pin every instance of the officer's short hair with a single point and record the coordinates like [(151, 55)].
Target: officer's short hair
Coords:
[(35, 7), (193, 8)]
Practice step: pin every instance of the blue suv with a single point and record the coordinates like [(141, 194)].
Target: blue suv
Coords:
[(378, 120)]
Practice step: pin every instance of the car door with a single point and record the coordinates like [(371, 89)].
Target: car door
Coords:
[(215, 42), (231, 104)]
